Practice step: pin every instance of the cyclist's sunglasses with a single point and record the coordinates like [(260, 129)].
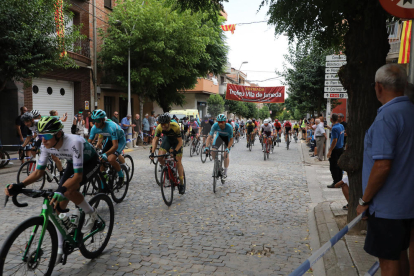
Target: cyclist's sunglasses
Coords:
[(96, 120), (46, 136), (221, 122)]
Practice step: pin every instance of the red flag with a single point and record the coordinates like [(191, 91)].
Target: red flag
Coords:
[(227, 28)]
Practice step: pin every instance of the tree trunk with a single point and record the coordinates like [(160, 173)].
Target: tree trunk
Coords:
[(366, 44)]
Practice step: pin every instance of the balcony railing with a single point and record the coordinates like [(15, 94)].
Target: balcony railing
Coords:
[(81, 47), (394, 47)]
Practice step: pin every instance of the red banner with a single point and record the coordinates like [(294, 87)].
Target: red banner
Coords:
[(255, 94)]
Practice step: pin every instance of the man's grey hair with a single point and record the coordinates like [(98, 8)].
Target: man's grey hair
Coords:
[(318, 121), (392, 76), (341, 115)]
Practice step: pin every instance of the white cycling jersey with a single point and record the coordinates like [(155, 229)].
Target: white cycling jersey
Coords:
[(268, 128), (74, 149)]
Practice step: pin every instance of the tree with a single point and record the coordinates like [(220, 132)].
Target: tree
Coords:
[(297, 115), (29, 44), (264, 112), (360, 27), (252, 110), (169, 49), (215, 105)]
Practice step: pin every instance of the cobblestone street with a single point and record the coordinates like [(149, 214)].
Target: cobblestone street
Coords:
[(263, 204)]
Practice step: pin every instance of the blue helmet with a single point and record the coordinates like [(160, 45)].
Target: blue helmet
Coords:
[(221, 118), (98, 114)]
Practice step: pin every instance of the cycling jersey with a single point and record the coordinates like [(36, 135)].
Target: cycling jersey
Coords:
[(227, 131), (250, 127), (171, 134), (193, 125), (110, 129), (237, 126), (75, 150), (287, 124), (277, 125), (33, 128), (268, 128), (206, 127), (296, 126)]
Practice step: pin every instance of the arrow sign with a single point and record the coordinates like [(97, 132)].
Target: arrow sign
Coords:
[(335, 89), (335, 63), (335, 95), (331, 77), (331, 70), (336, 58), (333, 83)]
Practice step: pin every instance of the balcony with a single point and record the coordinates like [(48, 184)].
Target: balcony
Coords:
[(81, 52), (205, 86), (392, 55)]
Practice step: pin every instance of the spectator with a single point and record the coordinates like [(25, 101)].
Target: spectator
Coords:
[(387, 173), (21, 128), (137, 129), (345, 124), (115, 118), (146, 128), (64, 118), (79, 122), (320, 137), (125, 123), (336, 149), (344, 184)]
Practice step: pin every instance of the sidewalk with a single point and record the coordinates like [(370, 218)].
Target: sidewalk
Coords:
[(327, 217)]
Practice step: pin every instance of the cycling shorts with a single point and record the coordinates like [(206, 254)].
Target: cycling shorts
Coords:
[(121, 146), (218, 141), (287, 129), (166, 145), (90, 169), (267, 133), (194, 132)]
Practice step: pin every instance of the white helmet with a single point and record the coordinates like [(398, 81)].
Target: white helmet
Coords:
[(266, 121), (35, 113)]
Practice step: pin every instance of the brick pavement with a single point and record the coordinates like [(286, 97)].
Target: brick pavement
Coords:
[(263, 204)]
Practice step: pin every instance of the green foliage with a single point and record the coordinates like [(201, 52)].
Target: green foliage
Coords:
[(252, 110), (215, 105), (263, 112), (305, 76), (169, 49), (200, 5), (297, 115), (28, 41)]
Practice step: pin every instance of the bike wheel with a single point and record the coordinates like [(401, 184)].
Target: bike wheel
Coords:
[(25, 170), (288, 142), (91, 188), (250, 146), (119, 192), (5, 158), (192, 148), (158, 172), (215, 172), (264, 151), (268, 150), (203, 155), (130, 163), (93, 246), (167, 189), (25, 238)]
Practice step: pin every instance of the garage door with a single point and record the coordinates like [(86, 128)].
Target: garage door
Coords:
[(54, 95)]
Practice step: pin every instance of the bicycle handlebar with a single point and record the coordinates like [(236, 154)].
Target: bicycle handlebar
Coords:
[(34, 194)]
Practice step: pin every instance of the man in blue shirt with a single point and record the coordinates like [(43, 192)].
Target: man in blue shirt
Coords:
[(125, 123), (336, 149), (387, 173)]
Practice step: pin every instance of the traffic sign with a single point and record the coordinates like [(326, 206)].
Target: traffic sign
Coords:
[(333, 83), (335, 95), (402, 9), (336, 58), (335, 63), (331, 77), (335, 89), (331, 70)]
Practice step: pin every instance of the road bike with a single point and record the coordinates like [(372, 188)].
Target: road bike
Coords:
[(106, 182), (129, 165), (169, 179), (31, 248), (218, 166), (277, 140), (52, 173), (204, 155), (250, 140), (267, 146), (4, 157), (295, 137), (195, 145), (287, 140)]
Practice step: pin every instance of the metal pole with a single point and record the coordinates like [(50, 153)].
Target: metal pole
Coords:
[(328, 120), (95, 66), (129, 136), (411, 63)]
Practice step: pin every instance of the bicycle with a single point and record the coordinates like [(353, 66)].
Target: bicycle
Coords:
[(203, 155), (295, 136), (129, 165), (106, 182), (218, 166), (51, 171), (4, 157), (250, 140), (267, 145), (287, 141), (169, 179), (32, 246), (195, 144), (278, 140)]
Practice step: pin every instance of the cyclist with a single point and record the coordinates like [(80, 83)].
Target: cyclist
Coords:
[(205, 128), (267, 130), (296, 128), (224, 134), (287, 129), (194, 129), (114, 144), (172, 142), (250, 128), (278, 128), (242, 127), (237, 128), (82, 165), (185, 124)]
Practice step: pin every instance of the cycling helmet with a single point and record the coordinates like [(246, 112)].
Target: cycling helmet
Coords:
[(35, 113), (98, 114), (265, 121), (49, 124), (249, 121), (28, 116), (276, 120), (221, 118), (164, 118), (192, 120)]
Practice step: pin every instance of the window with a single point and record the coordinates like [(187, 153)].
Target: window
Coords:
[(222, 79), (392, 30), (108, 4)]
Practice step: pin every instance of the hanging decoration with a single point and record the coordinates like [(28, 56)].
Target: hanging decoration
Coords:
[(230, 28), (60, 26), (404, 55)]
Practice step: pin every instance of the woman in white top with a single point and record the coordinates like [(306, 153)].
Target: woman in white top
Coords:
[(80, 124)]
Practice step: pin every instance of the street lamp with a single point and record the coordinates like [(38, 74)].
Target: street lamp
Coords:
[(238, 72), (129, 132)]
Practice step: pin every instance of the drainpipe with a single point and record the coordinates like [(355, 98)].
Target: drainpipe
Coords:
[(95, 70)]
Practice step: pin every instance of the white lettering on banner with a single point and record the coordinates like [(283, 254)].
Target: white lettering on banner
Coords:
[(255, 95), (337, 89), (331, 70)]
